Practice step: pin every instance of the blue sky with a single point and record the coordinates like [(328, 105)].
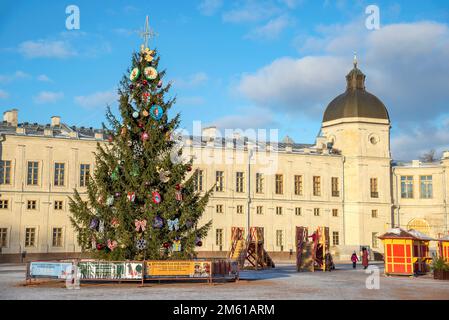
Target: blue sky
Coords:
[(244, 64)]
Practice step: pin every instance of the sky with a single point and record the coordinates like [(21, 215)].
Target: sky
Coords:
[(244, 64)]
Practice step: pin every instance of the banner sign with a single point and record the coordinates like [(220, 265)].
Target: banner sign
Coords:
[(56, 270), (96, 270), (182, 269)]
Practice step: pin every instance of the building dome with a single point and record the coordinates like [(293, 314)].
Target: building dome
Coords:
[(356, 102)]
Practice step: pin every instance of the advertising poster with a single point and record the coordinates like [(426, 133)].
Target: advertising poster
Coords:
[(94, 270), (56, 270), (186, 269)]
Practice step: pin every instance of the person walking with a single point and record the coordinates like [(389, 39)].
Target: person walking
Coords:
[(365, 258), (354, 260)]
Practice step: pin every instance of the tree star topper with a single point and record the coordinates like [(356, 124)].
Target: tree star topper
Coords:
[(147, 33)]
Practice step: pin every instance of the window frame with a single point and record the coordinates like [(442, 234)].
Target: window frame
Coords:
[(5, 172)]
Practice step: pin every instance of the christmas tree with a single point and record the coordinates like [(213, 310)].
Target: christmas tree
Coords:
[(141, 203)]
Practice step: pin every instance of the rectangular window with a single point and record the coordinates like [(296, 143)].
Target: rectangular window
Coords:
[(4, 204), (336, 238), (426, 187), (57, 237), (374, 213), (335, 187), (298, 212), (219, 238), (30, 237), (375, 240), (316, 212), (239, 181), (58, 205), (33, 173), (298, 186), (334, 212), (280, 239), (279, 211), (317, 186), (279, 188), (407, 187), (259, 210), (239, 209), (219, 208), (3, 237), (219, 179), (5, 172), (84, 175), (259, 183), (374, 188), (59, 174), (199, 180), (31, 205)]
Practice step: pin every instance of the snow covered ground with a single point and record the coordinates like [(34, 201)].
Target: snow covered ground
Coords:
[(280, 283)]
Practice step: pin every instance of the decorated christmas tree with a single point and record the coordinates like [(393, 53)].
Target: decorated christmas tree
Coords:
[(141, 200)]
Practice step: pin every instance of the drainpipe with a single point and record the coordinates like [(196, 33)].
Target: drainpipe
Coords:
[(445, 198)]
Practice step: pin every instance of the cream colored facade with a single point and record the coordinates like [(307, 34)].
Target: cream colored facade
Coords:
[(353, 187)]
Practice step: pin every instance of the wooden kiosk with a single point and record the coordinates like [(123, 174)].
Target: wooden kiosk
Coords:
[(406, 252), (313, 252), (249, 252), (443, 248)]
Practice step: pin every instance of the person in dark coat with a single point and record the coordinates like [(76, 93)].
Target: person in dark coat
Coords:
[(354, 260), (365, 258)]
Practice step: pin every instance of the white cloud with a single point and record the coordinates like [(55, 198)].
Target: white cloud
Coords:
[(210, 7), (98, 99), (18, 75), (271, 30), (44, 78), (190, 101), (193, 81), (46, 49), (251, 11), (248, 118), (48, 97), (3, 94), (406, 66)]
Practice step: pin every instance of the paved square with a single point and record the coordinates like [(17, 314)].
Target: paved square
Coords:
[(280, 283)]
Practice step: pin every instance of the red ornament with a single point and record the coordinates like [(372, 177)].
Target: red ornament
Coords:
[(167, 245), (189, 168), (145, 136), (100, 246), (199, 244), (144, 82), (178, 187)]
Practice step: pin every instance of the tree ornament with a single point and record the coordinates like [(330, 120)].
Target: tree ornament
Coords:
[(112, 245), (189, 224), (173, 225), (150, 73), (198, 242), (135, 115), (178, 195), (141, 244), (157, 199), (110, 201), (110, 139), (129, 143), (145, 136), (158, 222), (100, 199), (94, 224), (115, 173), (189, 167), (160, 83), (101, 227), (135, 73), (124, 131), (131, 87), (141, 225), (166, 245), (156, 112), (131, 196), (145, 113), (164, 176), (100, 246), (118, 194), (176, 247), (178, 187), (145, 97), (115, 223)]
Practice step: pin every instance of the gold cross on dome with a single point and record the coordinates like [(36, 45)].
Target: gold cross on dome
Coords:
[(147, 33)]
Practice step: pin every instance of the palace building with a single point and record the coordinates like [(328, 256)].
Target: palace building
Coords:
[(346, 181)]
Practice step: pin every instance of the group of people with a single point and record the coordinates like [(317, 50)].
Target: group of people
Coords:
[(355, 259)]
